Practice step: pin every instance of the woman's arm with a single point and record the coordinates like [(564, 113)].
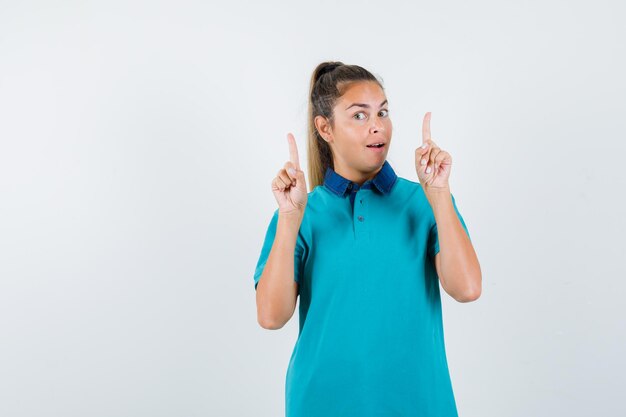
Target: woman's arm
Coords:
[(277, 291), (456, 262)]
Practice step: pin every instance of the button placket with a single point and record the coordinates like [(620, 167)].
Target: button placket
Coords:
[(361, 225)]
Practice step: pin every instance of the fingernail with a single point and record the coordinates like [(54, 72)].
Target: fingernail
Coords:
[(424, 145), (428, 170), (423, 162), (292, 171)]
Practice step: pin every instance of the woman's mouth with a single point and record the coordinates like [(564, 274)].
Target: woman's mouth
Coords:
[(377, 147)]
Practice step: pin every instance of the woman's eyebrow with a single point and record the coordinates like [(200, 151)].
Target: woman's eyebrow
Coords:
[(367, 106)]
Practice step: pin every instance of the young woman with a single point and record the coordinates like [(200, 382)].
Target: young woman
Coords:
[(365, 250)]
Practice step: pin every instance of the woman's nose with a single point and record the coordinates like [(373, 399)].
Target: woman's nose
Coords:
[(377, 125)]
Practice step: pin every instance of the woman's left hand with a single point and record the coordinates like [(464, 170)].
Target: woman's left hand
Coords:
[(432, 165)]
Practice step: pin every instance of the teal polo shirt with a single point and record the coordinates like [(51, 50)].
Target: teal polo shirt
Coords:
[(370, 340)]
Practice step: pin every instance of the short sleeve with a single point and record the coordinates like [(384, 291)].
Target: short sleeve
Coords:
[(433, 238), (267, 247)]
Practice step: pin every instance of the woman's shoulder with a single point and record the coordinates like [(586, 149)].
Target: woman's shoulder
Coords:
[(406, 192), (318, 195), (407, 183), (407, 186)]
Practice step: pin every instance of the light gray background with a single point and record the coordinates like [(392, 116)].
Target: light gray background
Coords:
[(139, 141)]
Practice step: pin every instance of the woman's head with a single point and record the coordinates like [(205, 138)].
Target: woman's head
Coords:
[(347, 111)]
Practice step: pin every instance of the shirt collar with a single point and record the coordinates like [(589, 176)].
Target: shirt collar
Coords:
[(383, 181)]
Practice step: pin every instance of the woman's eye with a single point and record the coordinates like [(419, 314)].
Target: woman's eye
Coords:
[(385, 111)]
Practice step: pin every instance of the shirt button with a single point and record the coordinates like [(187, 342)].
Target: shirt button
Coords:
[(350, 186), (360, 218), (361, 201)]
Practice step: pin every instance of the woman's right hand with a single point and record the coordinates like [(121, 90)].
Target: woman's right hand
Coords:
[(289, 186)]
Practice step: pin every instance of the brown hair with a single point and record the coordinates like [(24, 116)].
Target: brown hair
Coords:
[(328, 82)]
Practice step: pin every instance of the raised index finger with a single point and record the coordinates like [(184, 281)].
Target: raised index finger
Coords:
[(293, 150), (426, 128)]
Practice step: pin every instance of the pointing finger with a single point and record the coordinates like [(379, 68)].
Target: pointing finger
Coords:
[(293, 151), (426, 128)]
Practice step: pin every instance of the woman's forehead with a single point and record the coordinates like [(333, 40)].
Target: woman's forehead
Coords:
[(363, 93)]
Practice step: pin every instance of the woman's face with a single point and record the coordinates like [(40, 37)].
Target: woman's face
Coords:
[(361, 119)]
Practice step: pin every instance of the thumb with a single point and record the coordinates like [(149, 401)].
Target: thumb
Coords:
[(299, 174)]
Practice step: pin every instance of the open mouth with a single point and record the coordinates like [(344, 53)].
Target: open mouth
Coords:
[(376, 145)]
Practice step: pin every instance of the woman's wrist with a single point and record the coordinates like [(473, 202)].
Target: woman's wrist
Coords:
[(293, 216), (436, 196)]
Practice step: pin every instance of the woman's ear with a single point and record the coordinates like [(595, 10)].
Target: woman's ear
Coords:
[(323, 128)]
